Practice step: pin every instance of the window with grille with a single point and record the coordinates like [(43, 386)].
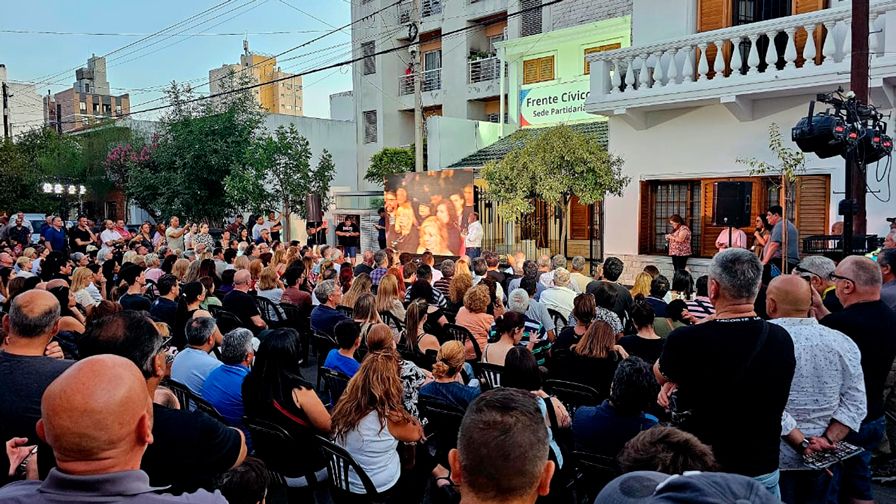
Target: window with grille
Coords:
[(538, 70), (369, 126), (531, 19), (368, 49), (600, 48), (751, 11), (667, 199)]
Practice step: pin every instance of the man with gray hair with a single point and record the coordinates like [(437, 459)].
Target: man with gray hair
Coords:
[(727, 380), (578, 278), (381, 260), (869, 322), (817, 271), (223, 388), (535, 335), (530, 270), (547, 278), (325, 316), (25, 370), (194, 364)]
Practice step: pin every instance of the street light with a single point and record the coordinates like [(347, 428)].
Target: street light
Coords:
[(48, 187)]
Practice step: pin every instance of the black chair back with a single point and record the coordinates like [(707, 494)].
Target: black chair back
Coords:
[(593, 472), (573, 395), (227, 321), (274, 445), (323, 343), (180, 391), (151, 291), (462, 334), (491, 374), (301, 323), (559, 320), (392, 321), (339, 462), (336, 383), (191, 401), (270, 312), (347, 311), (442, 427)]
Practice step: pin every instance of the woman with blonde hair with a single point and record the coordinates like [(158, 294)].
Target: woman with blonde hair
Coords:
[(370, 419), (278, 261), (255, 267), (433, 238), (593, 360), (360, 286), (365, 314), (412, 377), (81, 280), (642, 284), (472, 316), (269, 285), (388, 297), (462, 267), (179, 270), (192, 274), (241, 263), (448, 384)]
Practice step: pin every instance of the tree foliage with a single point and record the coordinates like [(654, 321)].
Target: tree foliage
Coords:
[(552, 164), (791, 162), (389, 161), (321, 178)]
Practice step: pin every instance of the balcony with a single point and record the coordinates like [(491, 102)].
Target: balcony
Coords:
[(737, 66), (432, 81), (483, 70), (427, 8)]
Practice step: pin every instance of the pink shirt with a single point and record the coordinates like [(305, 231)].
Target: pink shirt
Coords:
[(477, 323), (738, 238), (680, 242)]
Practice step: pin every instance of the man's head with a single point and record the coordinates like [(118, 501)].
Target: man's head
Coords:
[(491, 260), (6, 260), (578, 264), (97, 416), (507, 467), (788, 296), (473, 217), (175, 221), (634, 387), (561, 277), (57, 222), (409, 273), (659, 286), (381, 258), (34, 316), (817, 270), (241, 280), (668, 450), (734, 277), (480, 267), (424, 272), (447, 268), (886, 260), (427, 258), (127, 334), (328, 293), (890, 240), (167, 286), (237, 348), (367, 257), (558, 261), (203, 333), (613, 267), (347, 334), (774, 213), (857, 279), (131, 274), (518, 301)]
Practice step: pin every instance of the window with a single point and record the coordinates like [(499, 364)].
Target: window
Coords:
[(368, 49), (369, 126), (600, 48), (83, 107), (751, 11), (96, 108), (665, 198), (107, 109), (118, 109), (531, 21), (492, 41), (538, 70)]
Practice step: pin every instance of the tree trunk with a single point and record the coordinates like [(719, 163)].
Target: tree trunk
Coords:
[(784, 254)]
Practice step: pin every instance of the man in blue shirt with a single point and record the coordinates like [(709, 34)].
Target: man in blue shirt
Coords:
[(325, 316), (194, 363), (223, 388), (55, 236), (342, 359)]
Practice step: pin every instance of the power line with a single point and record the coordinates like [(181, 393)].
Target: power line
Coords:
[(344, 62), (199, 34)]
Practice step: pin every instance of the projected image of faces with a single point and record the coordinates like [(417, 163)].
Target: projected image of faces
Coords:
[(429, 211)]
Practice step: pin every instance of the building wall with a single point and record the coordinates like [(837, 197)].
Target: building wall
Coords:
[(325, 134), (450, 139), (342, 106), (705, 142), (25, 106), (577, 12), (283, 97)]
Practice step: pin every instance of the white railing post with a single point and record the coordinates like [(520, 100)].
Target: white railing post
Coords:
[(771, 52), (659, 75), (644, 74), (790, 54), (736, 59), (718, 64), (829, 49), (690, 66), (810, 50), (616, 77), (703, 65), (630, 76), (753, 58), (847, 41)]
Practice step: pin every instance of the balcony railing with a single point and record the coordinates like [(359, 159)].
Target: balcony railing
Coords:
[(792, 46), (427, 8), (404, 12), (483, 70), (432, 80)]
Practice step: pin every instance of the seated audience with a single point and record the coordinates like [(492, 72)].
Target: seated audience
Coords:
[(448, 382), (473, 316), (269, 285), (645, 343), (380, 339), (509, 328), (193, 364), (416, 339), (246, 484), (592, 361), (239, 302), (604, 429), (659, 288), (325, 316), (648, 486), (388, 298), (97, 417), (342, 359), (223, 388), (510, 467), (666, 449), (360, 286), (133, 299), (293, 294), (559, 296), (605, 299), (583, 311), (701, 307), (164, 308)]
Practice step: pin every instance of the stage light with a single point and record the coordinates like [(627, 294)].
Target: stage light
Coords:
[(822, 134), (58, 189), (48, 187), (72, 189)]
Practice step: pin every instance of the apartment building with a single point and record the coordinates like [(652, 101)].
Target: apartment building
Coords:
[(461, 74), (699, 88), (88, 101), (24, 105), (283, 97)]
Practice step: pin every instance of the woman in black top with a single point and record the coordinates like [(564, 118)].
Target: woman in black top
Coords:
[(144, 236), (644, 343), (592, 361), (584, 310)]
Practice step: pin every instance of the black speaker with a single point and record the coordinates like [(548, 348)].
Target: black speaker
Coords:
[(731, 203), (313, 207)]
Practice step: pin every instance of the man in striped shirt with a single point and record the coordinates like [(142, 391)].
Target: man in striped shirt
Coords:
[(701, 307)]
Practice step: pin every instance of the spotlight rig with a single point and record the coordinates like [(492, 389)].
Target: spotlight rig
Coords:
[(847, 126)]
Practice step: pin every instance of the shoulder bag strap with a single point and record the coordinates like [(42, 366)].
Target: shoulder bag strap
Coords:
[(759, 344), (552, 415)]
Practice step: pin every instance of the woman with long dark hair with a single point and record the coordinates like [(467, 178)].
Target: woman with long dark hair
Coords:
[(593, 360)]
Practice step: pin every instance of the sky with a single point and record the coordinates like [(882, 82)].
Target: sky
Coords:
[(205, 43)]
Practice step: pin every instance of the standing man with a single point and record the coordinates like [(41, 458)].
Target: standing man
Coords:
[(81, 236), (381, 226), (236, 227), (18, 234), (731, 374), (473, 236), (110, 238), (274, 225), (55, 236), (260, 224), (827, 395), (317, 233), (175, 234), (817, 271), (348, 234), (868, 322), (773, 252), (887, 262)]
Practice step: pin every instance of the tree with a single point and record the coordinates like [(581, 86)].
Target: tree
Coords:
[(389, 161), (277, 175), (553, 164), (321, 178), (791, 163)]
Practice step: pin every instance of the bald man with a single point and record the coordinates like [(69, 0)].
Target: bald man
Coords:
[(870, 323), (827, 396), (25, 370), (97, 417), (239, 302)]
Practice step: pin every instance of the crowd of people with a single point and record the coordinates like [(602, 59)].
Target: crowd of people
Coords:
[(169, 365)]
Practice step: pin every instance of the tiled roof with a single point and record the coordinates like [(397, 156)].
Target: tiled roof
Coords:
[(499, 149)]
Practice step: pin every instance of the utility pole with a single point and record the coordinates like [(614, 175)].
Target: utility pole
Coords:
[(5, 111), (418, 91), (854, 221)]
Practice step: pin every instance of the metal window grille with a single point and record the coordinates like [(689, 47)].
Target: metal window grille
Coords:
[(531, 19), (369, 126), (682, 198), (368, 49)]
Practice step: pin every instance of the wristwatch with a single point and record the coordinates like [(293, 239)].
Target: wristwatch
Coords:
[(804, 444)]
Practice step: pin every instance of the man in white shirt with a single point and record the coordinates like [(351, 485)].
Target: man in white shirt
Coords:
[(559, 297), (827, 396), (109, 237), (557, 262), (738, 239), (175, 234), (473, 237)]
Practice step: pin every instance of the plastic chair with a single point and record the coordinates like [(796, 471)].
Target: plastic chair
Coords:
[(593, 472), (301, 323), (323, 343), (559, 320), (339, 461), (443, 425), (151, 291), (226, 320), (189, 400), (462, 334), (269, 441), (336, 383), (491, 374), (573, 395), (345, 310), (270, 312)]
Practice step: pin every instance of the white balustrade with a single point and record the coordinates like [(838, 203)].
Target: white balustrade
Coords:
[(741, 52)]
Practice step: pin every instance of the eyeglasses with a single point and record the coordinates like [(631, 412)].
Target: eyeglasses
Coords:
[(799, 270), (835, 276)]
